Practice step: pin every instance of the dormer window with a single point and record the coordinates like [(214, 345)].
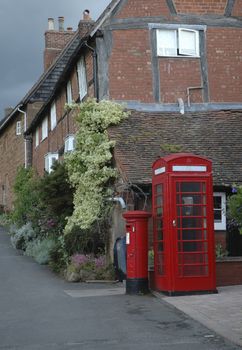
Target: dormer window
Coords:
[(82, 78), (177, 42)]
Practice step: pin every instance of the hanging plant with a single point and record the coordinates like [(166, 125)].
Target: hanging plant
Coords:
[(89, 166)]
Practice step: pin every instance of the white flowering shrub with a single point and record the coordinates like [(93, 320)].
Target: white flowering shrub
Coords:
[(89, 166)]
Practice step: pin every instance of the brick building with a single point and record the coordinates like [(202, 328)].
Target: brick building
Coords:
[(176, 64), (16, 149)]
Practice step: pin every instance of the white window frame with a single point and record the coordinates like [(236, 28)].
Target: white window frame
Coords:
[(44, 129), (37, 137), (18, 128), (53, 119), (50, 158), (69, 143), (178, 47), (82, 78), (69, 92), (221, 225)]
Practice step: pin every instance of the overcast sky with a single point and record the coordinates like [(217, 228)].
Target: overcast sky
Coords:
[(22, 27)]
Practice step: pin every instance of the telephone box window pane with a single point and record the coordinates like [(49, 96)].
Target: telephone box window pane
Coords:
[(192, 247), (158, 188), (160, 236), (195, 270), (160, 260), (160, 247), (159, 224), (193, 199), (191, 258), (190, 187), (159, 211), (159, 201), (192, 235), (189, 222)]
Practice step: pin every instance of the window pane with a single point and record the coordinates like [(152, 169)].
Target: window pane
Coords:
[(190, 187), (217, 215), (188, 42), (217, 201), (167, 42)]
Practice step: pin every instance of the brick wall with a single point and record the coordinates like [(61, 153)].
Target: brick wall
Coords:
[(11, 157), (131, 76), (224, 277), (220, 238), (201, 6), (237, 10), (130, 70), (176, 75), (224, 52), (144, 8)]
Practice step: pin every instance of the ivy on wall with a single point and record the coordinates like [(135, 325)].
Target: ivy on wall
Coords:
[(89, 166)]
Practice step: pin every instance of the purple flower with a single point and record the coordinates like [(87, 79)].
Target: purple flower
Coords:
[(80, 259), (234, 190), (100, 262)]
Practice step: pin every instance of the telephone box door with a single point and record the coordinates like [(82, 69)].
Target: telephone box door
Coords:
[(191, 232)]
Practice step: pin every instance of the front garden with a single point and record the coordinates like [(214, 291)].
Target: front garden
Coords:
[(63, 218)]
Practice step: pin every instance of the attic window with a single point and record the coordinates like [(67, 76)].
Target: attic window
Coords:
[(69, 93), (53, 115), (18, 128), (177, 42), (82, 78)]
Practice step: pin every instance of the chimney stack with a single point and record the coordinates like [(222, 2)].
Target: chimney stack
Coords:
[(61, 23), (51, 24), (55, 40), (85, 24)]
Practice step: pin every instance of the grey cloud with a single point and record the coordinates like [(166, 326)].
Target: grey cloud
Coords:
[(22, 27)]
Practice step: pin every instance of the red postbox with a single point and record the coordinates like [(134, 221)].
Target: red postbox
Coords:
[(137, 251), (182, 196)]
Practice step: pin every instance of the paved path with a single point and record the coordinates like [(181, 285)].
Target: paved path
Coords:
[(39, 311), (221, 312)]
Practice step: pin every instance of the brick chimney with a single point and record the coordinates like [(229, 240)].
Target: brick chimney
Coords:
[(85, 24), (55, 40)]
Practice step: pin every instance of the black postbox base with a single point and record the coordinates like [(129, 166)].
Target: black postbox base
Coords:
[(137, 286)]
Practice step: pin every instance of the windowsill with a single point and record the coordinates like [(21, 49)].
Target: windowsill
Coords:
[(178, 56)]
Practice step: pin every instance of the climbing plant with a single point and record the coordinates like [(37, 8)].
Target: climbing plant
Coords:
[(89, 167)]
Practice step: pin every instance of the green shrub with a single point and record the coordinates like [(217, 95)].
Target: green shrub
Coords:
[(21, 236), (58, 256), (26, 197), (40, 250)]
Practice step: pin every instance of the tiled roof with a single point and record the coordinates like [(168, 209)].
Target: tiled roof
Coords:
[(44, 86), (144, 137)]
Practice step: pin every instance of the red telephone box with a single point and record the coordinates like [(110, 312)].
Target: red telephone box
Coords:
[(184, 254), (137, 251)]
